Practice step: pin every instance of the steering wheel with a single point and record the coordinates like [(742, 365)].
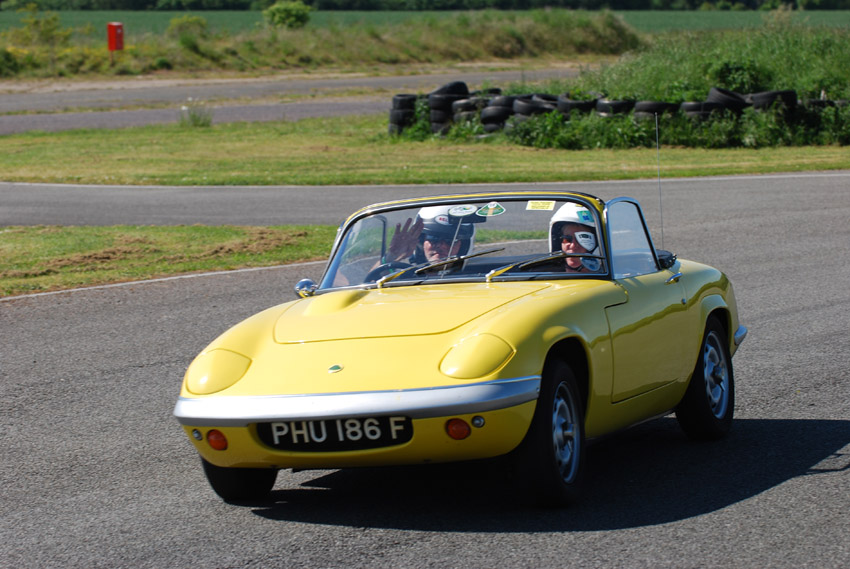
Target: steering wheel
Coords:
[(382, 270)]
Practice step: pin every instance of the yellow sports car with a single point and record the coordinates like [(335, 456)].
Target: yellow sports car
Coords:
[(466, 327)]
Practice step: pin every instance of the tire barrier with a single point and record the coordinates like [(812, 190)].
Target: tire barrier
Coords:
[(453, 103)]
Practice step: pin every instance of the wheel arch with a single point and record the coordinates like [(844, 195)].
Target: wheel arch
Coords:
[(572, 352), (716, 306)]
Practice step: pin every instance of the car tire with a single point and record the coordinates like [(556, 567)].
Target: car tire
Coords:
[(567, 105), (495, 114), (240, 484), (655, 107), (404, 101), (452, 88), (503, 101), (766, 99), (437, 115), (731, 100), (706, 409), (402, 117), (607, 107), (551, 461)]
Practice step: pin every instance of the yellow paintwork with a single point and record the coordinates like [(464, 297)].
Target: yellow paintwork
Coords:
[(450, 334), (502, 431)]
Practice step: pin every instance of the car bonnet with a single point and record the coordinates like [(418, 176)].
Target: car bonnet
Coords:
[(398, 311)]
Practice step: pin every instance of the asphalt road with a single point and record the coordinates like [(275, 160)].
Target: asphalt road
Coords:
[(96, 472), (109, 105)]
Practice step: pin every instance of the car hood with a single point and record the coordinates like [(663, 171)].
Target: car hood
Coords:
[(395, 311)]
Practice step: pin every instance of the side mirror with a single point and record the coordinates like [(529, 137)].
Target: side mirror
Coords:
[(305, 288), (665, 258)]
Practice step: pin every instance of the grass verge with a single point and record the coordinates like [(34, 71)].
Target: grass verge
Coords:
[(354, 150), (46, 258)]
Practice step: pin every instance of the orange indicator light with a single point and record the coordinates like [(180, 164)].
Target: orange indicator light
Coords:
[(458, 429), (217, 440)]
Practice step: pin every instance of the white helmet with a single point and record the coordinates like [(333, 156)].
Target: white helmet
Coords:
[(575, 213), (444, 223)]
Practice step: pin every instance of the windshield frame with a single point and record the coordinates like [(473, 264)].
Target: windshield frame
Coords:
[(592, 203)]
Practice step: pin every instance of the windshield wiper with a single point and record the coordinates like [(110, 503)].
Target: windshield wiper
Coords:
[(522, 265), (392, 276), (453, 260)]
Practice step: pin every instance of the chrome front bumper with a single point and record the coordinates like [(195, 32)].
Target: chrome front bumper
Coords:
[(740, 334), (238, 411)]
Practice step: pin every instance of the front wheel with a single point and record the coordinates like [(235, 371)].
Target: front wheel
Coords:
[(552, 455), (237, 484), (705, 412)]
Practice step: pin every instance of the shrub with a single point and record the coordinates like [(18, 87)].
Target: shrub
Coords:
[(9, 65), (290, 14), (181, 26)]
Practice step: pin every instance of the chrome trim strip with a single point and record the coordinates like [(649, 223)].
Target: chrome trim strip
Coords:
[(235, 411), (740, 334)]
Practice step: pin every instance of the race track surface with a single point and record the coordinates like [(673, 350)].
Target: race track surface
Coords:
[(97, 473)]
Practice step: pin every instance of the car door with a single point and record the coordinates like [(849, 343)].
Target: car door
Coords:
[(648, 330)]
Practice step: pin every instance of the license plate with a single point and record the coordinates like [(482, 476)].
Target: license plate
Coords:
[(336, 434)]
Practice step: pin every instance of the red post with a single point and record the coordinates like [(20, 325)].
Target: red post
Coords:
[(114, 38)]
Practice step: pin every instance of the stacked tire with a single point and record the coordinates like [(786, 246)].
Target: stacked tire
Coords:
[(611, 107), (440, 103), (644, 110), (453, 103), (568, 106), (700, 110), (403, 112), (527, 106), (497, 112)]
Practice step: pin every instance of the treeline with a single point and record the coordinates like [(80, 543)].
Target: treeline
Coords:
[(417, 5)]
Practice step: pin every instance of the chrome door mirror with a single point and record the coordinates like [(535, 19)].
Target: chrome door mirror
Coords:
[(305, 288)]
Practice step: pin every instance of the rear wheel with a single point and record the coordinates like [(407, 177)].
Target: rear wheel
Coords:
[(237, 484), (552, 457), (706, 410)]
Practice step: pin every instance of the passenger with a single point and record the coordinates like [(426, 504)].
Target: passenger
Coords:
[(573, 230), (434, 236)]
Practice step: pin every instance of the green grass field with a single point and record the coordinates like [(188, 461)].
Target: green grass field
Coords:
[(146, 22)]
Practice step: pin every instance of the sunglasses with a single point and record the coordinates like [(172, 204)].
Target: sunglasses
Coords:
[(436, 238), (583, 238)]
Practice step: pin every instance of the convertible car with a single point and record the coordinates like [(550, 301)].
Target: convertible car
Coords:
[(519, 325)]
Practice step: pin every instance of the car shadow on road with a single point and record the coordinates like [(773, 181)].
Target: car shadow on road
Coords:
[(648, 475)]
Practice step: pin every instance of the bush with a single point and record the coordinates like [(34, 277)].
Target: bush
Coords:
[(290, 14), (195, 26), (9, 65)]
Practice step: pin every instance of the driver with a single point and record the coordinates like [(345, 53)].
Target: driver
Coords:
[(573, 230), (435, 235)]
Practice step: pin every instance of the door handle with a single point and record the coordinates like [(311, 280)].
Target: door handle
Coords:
[(674, 279)]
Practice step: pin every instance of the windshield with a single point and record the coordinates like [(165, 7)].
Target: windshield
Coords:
[(504, 238)]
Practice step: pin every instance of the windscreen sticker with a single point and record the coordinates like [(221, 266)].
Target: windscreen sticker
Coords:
[(539, 205), (462, 210), (492, 209)]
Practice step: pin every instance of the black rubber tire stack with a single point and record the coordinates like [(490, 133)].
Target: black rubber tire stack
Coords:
[(730, 100), (466, 110), (649, 109), (609, 107), (567, 106), (403, 112), (440, 102), (765, 100), (700, 110), (526, 106), (497, 112)]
